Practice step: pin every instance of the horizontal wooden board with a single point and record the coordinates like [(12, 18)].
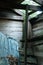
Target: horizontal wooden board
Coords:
[(11, 29)]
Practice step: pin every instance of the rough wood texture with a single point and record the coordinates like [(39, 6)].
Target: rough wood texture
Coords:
[(29, 32), (11, 29)]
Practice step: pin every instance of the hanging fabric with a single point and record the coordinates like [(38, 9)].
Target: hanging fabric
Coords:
[(13, 47)]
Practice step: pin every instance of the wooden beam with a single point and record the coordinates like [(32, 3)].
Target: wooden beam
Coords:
[(25, 36)]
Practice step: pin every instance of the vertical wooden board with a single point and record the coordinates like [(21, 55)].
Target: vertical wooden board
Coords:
[(29, 31)]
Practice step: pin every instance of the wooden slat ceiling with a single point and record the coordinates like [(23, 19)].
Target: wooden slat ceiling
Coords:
[(10, 3)]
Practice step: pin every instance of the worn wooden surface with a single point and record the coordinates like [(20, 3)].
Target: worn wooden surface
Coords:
[(11, 29)]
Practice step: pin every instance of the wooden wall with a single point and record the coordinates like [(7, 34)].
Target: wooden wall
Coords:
[(11, 28)]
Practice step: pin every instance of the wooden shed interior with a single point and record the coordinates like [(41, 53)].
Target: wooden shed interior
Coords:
[(17, 22)]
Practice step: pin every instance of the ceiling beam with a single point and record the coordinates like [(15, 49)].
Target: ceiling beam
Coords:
[(38, 18), (9, 11), (10, 16), (31, 12)]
